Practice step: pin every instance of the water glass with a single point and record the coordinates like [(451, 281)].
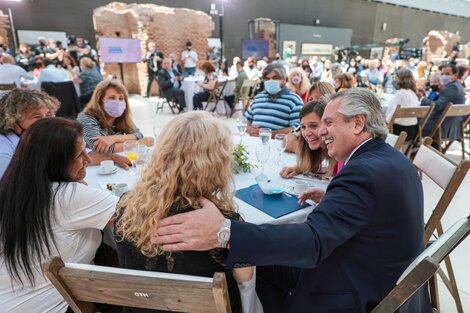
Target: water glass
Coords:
[(262, 154), (241, 127), (280, 141), (130, 150), (265, 134)]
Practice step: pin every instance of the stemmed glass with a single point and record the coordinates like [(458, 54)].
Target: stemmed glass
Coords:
[(130, 150), (262, 154), (265, 134), (241, 126), (280, 141)]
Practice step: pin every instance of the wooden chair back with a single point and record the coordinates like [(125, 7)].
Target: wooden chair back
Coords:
[(424, 267), (83, 284), (451, 110), (422, 113), (7, 87), (396, 141)]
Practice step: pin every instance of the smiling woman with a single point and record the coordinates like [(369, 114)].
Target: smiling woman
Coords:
[(47, 211)]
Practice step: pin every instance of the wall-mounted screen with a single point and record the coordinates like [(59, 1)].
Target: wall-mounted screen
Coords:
[(256, 48), (120, 50)]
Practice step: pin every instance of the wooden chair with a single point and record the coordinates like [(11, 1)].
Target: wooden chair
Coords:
[(216, 95), (7, 87), (452, 110), (396, 141), (81, 285), (422, 113), (247, 92), (172, 103), (424, 267), (449, 177)]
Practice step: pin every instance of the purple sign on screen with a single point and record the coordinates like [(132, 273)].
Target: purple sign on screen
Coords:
[(256, 48), (120, 50)]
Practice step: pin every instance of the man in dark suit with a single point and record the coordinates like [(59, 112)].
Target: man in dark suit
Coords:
[(349, 253), (454, 92), (169, 81), (154, 64)]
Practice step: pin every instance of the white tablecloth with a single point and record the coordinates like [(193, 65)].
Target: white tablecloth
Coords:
[(242, 180), (190, 88)]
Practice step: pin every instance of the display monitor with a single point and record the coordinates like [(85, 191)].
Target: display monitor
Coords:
[(120, 50)]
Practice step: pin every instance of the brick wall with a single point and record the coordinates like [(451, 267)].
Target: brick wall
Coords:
[(170, 28), (4, 26), (438, 44)]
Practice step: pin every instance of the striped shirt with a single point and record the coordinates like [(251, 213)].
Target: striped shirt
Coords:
[(275, 113), (92, 128)]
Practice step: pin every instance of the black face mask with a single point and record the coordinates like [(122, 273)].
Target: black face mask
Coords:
[(22, 129), (435, 88), (251, 67)]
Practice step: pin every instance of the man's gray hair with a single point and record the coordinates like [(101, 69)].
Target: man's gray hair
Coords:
[(357, 101), (435, 75), (275, 67)]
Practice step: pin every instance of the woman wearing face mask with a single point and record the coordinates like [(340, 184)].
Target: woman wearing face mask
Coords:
[(107, 121), (298, 83), (311, 151), (405, 96)]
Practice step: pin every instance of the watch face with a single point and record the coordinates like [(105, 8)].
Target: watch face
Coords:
[(225, 235)]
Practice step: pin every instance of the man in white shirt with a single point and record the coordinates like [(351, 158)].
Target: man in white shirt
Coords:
[(51, 73), (189, 59), (10, 72)]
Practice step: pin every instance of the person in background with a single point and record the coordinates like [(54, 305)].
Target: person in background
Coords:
[(41, 47), (47, 210), (88, 79), (154, 59), (370, 77), (288, 52), (25, 58), (107, 120), (250, 69), (305, 65), (171, 184), (233, 72), (169, 81), (51, 73), (343, 81), (70, 66), (238, 91), (214, 57), (311, 150), (421, 74), (405, 96), (209, 83), (175, 63), (52, 52), (10, 73), (298, 82), (38, 65), (189, 59), (19, 109)]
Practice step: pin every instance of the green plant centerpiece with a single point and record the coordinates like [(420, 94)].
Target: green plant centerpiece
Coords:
[(240, 159)]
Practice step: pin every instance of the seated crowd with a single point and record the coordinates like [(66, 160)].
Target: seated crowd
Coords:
[(171, 220)]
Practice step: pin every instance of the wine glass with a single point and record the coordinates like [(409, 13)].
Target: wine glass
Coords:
[(265, 134), (130, 150), (280, 141), (241, 126), (262, 154), (155, 132)]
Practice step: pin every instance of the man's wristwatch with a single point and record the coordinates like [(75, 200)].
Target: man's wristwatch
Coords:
[(223, 236)]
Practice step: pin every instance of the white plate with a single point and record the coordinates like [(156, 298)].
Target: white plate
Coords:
[(101, 172)]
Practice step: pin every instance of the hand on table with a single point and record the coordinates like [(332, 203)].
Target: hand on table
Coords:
[(148, 141), (253, 130), (102, 143), (289, 171), (196, 230), (314, 194), (121, 161)]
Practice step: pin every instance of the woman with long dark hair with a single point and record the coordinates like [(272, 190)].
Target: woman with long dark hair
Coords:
[(46, 210)]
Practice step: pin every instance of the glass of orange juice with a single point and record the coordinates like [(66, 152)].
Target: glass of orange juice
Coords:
[(130, 150)]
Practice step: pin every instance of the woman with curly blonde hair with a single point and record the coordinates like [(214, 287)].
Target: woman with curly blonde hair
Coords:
[(298, 83), (193, 160)]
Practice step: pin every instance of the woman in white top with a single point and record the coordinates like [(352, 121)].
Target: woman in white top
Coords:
[(405, 97), (47, 210)]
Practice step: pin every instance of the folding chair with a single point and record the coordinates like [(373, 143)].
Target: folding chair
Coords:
[(424, 267), (81, 285), (396, 141), (172, 103), (449, 177), (7, 87), (452, 110), (216, 95), (422, 113), (247, 93)]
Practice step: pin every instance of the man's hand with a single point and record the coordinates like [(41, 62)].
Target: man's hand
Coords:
[(314, 194), (196, 230), (148, 141), (102, 143), (253, 130), (289, 171), (121, 161)]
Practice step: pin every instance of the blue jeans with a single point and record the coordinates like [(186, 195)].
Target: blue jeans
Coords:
[(189, 71)]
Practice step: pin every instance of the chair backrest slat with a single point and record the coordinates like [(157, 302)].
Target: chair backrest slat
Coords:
[(434, 165), (171, 292), (458, 110)]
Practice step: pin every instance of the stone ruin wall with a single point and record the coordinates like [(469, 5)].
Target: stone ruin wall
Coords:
[(4, 26), (169, 28)]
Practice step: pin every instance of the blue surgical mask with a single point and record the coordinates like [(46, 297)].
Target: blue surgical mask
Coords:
[(272, 86)]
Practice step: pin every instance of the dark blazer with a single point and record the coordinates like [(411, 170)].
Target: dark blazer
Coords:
[(165, 83), (455, 93), (355, 243), (152, 67)]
